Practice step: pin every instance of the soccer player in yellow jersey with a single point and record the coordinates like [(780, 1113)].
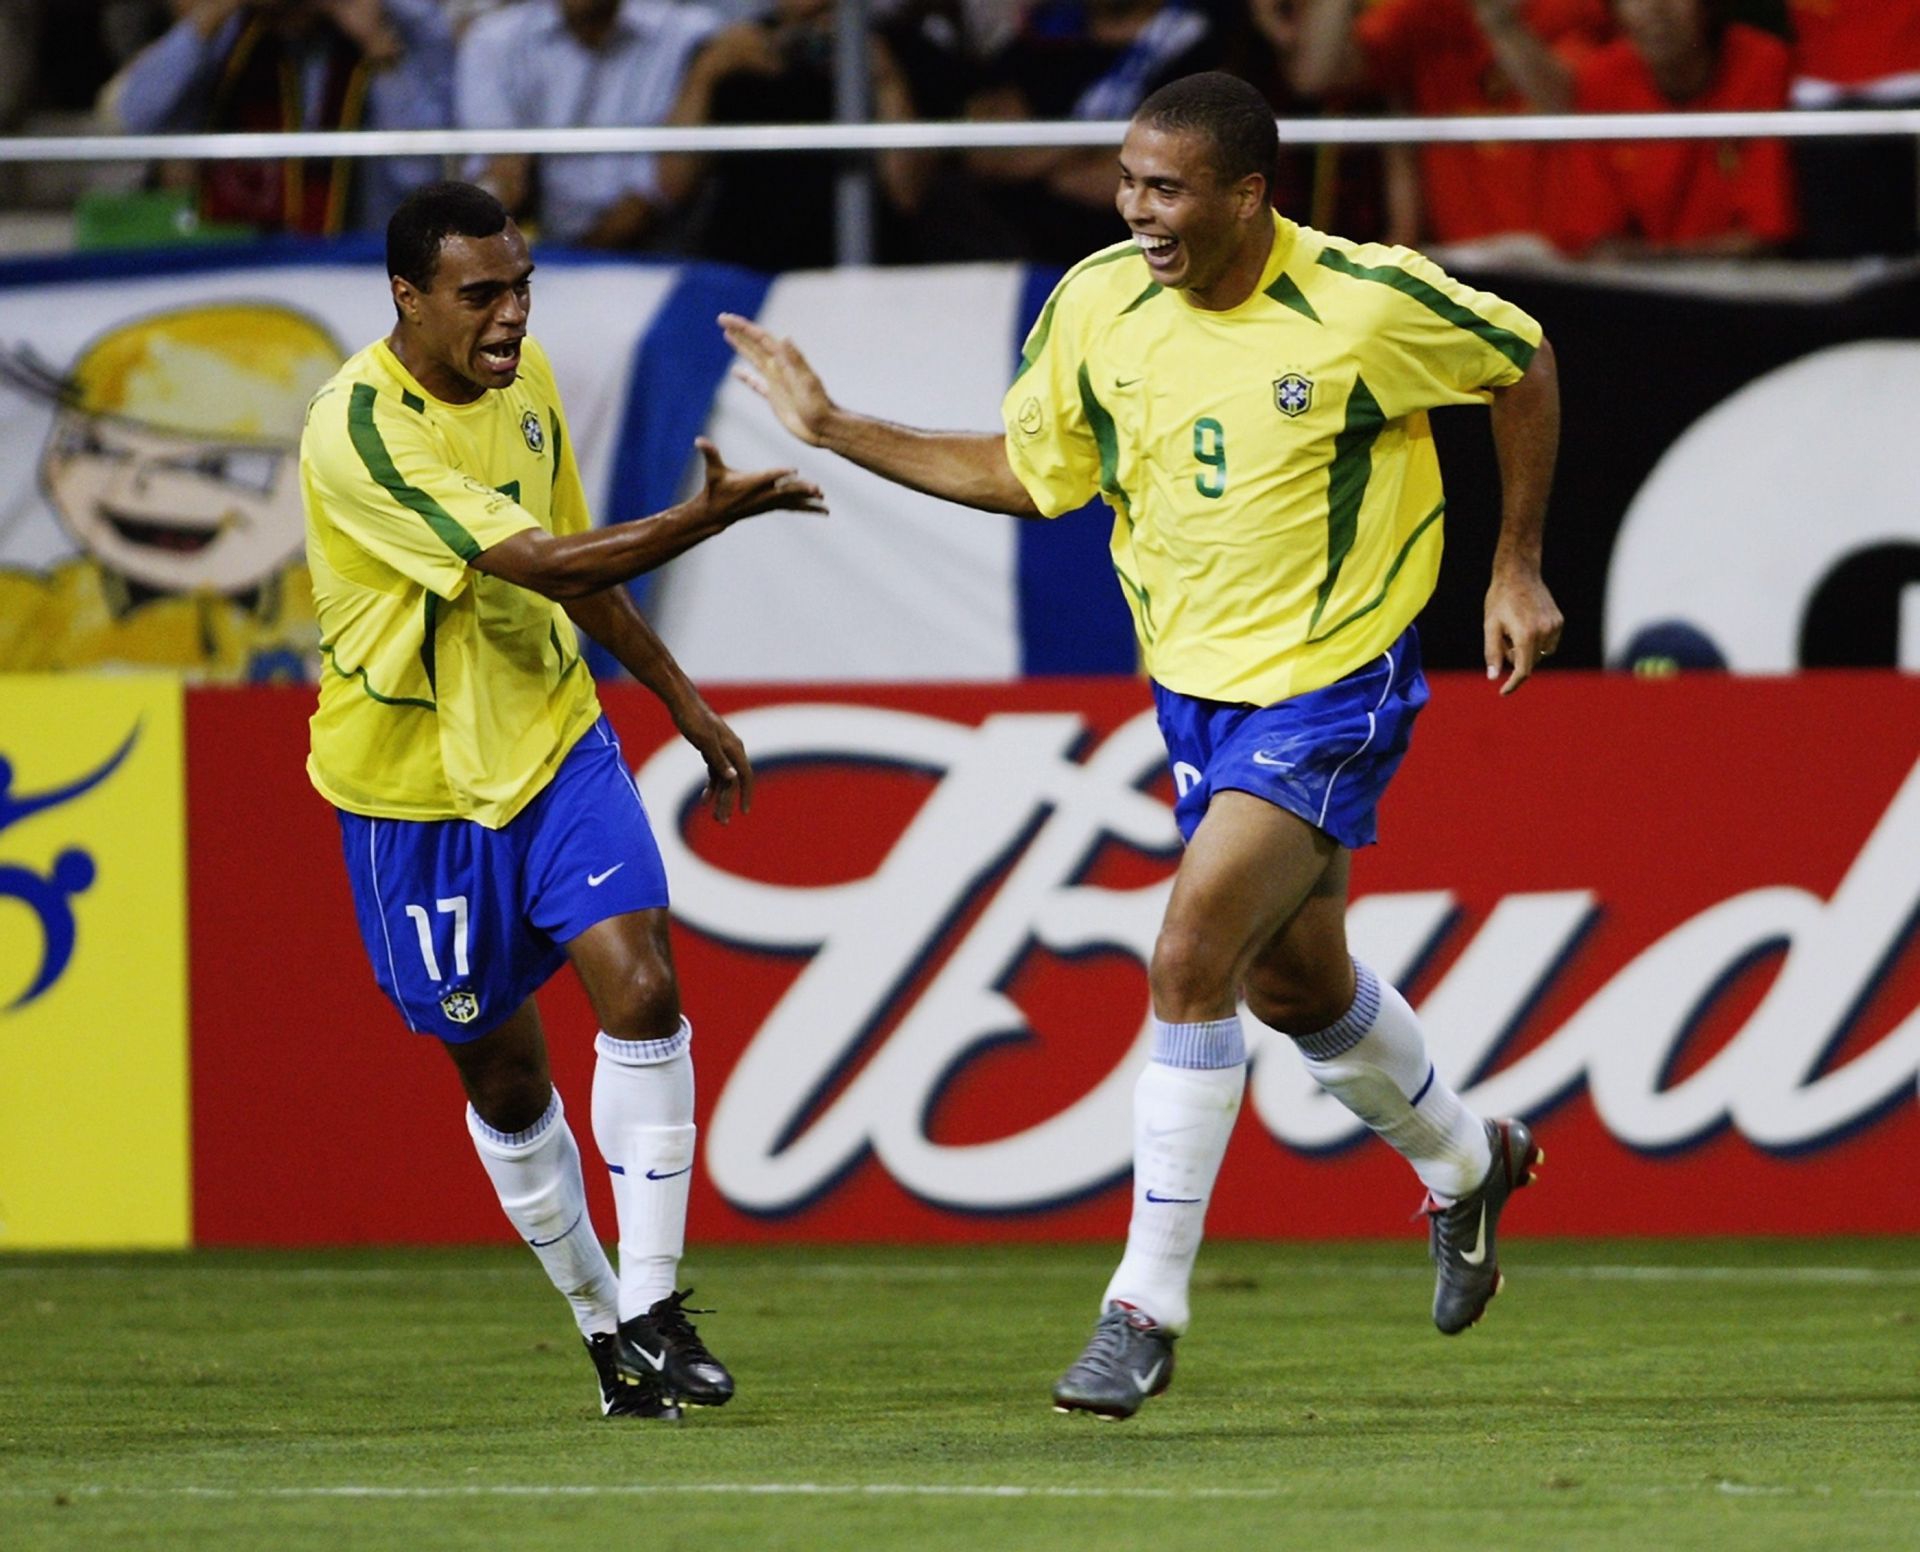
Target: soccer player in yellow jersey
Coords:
[(1250, 396), (491, 827)]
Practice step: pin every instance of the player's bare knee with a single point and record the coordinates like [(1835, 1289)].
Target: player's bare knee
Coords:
[(1188, 975), (645, 1007)]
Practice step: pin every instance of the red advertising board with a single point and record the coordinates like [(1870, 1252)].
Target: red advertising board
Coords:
[(1672, 922)]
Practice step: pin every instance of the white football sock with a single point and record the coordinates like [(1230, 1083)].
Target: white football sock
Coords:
[(1183, 1113), (1374, 1061), (536, 1174), (643, 1122)]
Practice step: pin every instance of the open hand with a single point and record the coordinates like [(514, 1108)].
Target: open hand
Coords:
[(731, 495), (775, 369)]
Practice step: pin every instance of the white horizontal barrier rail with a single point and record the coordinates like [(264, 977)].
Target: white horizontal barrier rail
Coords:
[(943, 136)]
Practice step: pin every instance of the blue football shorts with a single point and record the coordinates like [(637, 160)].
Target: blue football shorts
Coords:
[(1326, 755), (463, 923)]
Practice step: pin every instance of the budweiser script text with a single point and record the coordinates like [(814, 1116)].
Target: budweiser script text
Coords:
[(1013, 801)]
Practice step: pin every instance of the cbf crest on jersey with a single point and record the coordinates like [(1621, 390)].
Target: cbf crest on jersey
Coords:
[(462, 1007), (1293, 394), (533, 431)]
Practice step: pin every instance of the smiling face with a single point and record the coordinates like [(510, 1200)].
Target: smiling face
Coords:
[(174, 513), (1199, 232), (461, 335)]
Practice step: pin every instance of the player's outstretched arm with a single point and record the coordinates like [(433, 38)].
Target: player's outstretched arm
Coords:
[(968, 467), (573, 565), (611, 619), (1522, 623)]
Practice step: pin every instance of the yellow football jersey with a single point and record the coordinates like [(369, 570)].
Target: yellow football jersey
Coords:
[(445, 693), (1277, 498)]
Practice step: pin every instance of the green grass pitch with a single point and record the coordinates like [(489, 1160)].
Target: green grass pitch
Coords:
[(1649, 1395)]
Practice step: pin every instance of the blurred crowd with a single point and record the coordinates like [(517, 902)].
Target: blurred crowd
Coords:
[(163, 65)]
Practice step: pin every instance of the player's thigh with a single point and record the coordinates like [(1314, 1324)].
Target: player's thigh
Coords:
[(1247, 870), (626, 965), (598, 887)]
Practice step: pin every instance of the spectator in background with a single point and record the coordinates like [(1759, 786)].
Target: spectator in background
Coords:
[(295, 65), (1369, 193), (1703, 197), (1458, 57), (1857, 196), (1077, 59), (776, 212), (548, 64)]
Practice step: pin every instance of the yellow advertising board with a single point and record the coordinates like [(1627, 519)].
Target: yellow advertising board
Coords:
[(93, 963)]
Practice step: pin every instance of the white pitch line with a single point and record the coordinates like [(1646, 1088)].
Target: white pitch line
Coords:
[(372, 1493), (1415, 1270), (673, 1489), (1729, 1274), (854, 1271)]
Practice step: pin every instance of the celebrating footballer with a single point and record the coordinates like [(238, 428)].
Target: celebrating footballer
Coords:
[(1250, 397), (490, 824)]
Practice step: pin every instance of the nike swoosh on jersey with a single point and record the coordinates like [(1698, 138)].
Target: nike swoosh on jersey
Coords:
[(1261, 757), (669, 1175), (1152, 1196), (595, 880), (1478, 1254), (1125, 382)]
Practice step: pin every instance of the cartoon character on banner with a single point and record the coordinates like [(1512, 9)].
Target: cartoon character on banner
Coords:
[(173, 464)]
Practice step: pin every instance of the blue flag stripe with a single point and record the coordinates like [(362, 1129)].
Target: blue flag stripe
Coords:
[(1072, 617), (679, 365)]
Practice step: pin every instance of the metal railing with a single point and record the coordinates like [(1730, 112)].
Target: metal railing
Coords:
[(1860, 123), (945, 136)]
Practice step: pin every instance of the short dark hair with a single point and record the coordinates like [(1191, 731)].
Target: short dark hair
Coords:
[(428, 217), (1230, 113)]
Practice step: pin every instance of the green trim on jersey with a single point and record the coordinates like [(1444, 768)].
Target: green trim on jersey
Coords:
[(1436, 301), (1286, 291), (1154, 288), (413, 401), (372, 448), (1347, 478), (567, 664), (557, 437), (1139, 594), (1101, 424), (326, 651), (429, 621), (1386, 584), (1044, 327)]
